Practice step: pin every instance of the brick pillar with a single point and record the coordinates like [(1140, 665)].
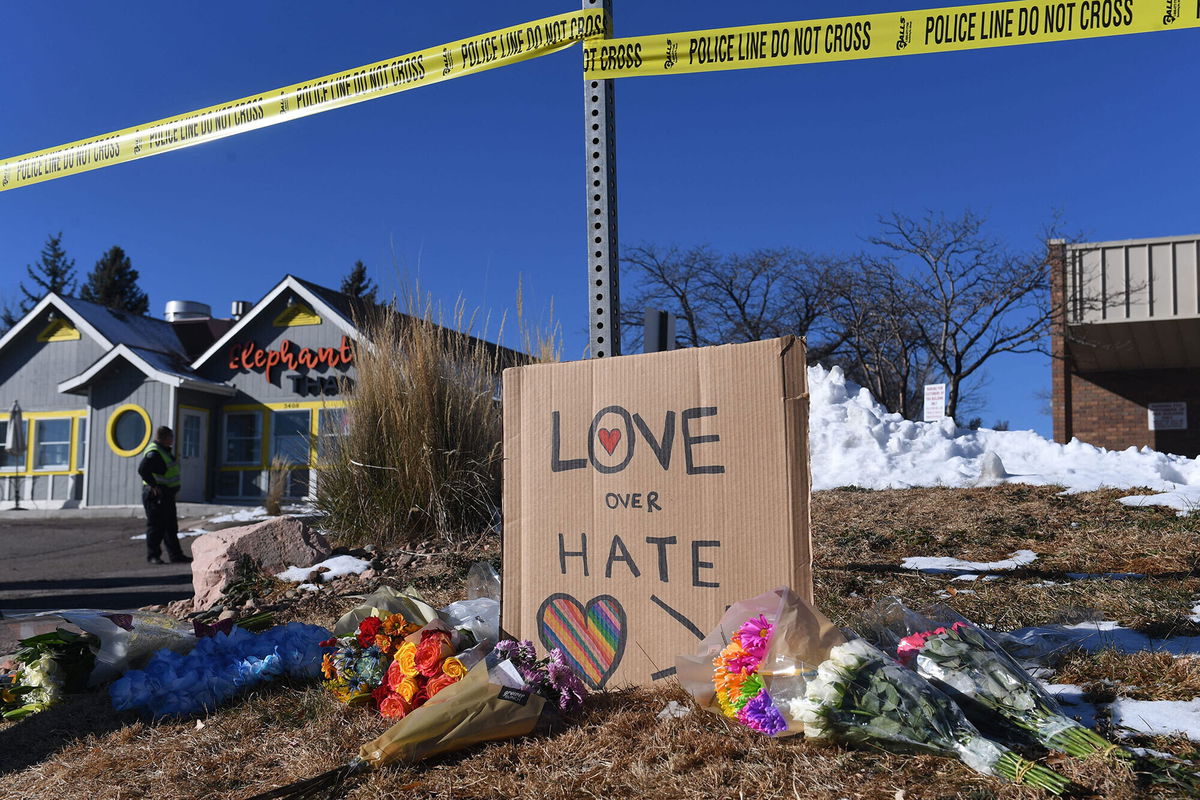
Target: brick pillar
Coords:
[(1060, 365)]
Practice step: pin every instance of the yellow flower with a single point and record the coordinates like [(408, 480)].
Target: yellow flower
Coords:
[(407, 656), (408, 688), (453, 668)]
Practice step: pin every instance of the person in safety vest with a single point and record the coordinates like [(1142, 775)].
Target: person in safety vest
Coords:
[(160, 483)]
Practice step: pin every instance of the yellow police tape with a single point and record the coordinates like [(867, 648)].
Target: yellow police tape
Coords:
[(422, 68), (937, 30)]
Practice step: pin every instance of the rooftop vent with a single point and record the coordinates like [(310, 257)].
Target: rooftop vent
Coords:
[(182, 310)]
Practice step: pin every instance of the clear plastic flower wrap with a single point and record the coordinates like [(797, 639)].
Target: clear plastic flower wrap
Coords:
[(996, 692), (828, 687), (860, 695)]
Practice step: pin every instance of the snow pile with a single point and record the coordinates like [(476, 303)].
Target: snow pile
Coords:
[(937, 565), (856, 442), (259, 513), (330, 568), (1158, 717), (1100, 635)]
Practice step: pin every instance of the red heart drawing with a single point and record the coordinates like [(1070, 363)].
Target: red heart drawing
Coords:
[(609, 437)]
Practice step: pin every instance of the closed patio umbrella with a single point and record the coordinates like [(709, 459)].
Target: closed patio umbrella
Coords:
[(14, 445)]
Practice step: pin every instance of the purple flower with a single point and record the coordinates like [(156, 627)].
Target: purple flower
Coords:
[(761, 715), (564, 682)]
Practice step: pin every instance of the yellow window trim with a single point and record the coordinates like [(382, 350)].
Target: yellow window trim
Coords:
[(265, 428), (112, 424), (296, 315), (59, 330), (31, 417), (287, 405)]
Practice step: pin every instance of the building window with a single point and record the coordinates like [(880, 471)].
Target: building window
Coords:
[(81, 447), (243, 438), (290, 436), (240, 483), (129, 430), (333, 424), (53, 444), (10, 461), (189, 441)]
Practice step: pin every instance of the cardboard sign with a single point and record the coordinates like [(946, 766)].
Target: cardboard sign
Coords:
[(645, 494), (1167, 416), (935, 402)]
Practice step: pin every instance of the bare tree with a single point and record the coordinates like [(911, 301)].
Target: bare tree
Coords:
[(969, 298), (870, 303), (669, 279), (719, 299)]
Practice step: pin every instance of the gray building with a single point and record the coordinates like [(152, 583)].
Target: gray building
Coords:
[(93, 384)]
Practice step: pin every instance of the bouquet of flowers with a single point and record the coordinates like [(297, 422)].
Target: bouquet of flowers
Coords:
[(395, 665), (763, 676), (504, 695), (860, 695), (47, 666), (966, 663), (740, 693), (358, 667), (549, 677), (217, 668)]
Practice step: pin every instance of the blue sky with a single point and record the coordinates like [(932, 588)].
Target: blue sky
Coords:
[(471, 185)]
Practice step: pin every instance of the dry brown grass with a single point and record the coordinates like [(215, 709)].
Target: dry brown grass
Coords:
[(618, 748), (860, 539), (422, 454)]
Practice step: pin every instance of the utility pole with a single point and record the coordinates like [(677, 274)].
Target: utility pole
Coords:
[(600, 136)]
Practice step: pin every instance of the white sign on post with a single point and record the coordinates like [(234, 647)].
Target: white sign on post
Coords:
[(1167, 416), (935, 401)]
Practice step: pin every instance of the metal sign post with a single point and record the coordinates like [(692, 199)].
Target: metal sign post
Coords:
[(600, 136)]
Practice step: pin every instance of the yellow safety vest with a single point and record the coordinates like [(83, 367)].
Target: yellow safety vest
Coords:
[(170, 478)]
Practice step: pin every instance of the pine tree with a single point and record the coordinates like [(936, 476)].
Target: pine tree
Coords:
[(113, 283), (54, 272), (358, 285)]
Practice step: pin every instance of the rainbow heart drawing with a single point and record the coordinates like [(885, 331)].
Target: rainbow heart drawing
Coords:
[(592, 637)]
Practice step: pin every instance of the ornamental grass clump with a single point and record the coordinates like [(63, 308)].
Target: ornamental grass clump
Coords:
[(420, 452)]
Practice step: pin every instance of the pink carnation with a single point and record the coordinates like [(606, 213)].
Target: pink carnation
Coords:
[(909, 646), (755, 635)]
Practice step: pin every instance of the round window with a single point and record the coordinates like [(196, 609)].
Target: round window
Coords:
[(129, 430)]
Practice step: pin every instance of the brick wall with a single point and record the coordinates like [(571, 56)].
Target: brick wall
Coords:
[(1109, 409)]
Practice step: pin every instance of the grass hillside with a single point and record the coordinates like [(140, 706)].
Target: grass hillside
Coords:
[(618, 747)]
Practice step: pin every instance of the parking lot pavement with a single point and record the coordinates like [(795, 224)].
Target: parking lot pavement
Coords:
[(81, 563)]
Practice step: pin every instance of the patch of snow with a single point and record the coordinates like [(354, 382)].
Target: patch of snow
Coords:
[(309, 587), (259, 513), (1070, 697), (1146, 751), (336, 567), (256, 514), (1195, 617), (1158, 717), (856, 442), (940, 565), (1102, 635), (1184, 500), (182, 534)]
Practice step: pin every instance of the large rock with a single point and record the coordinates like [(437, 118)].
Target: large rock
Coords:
[(275, 545)]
